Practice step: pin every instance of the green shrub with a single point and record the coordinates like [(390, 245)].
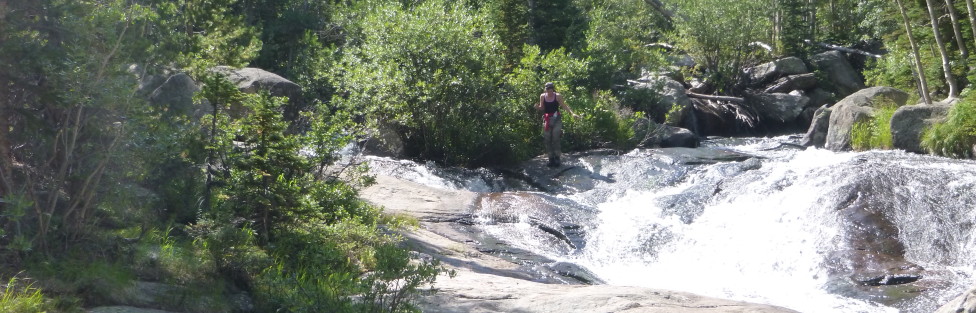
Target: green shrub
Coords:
[(718, 35), (874, 133), (431, 73), (956, 137), (601, 125), (616, 38)]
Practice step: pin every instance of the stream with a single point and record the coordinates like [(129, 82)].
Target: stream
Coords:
[(753, 219)]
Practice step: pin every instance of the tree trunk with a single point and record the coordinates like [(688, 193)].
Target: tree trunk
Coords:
[(667, 14), (916, 60), (957, 29), (972, 16), (946, 65)]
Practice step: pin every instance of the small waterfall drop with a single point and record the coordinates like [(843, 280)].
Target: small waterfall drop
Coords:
[(764, 228)]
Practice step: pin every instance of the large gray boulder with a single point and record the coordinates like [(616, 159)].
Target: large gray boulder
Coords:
[(842, 77), (253, 80), (765, 72), (778, 107), (670, 92), (816, 135), (648, 134), (818, 99), (175, 96), (964, 303), (858, 107), (908, 123)]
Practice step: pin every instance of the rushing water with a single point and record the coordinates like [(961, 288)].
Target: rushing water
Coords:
[(757, 229)]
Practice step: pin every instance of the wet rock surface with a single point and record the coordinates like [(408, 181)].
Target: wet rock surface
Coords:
[(492, 276)]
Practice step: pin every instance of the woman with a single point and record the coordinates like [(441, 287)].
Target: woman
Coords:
[(552, 127)]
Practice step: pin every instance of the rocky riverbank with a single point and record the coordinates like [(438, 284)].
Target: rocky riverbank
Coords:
[(485, 282)]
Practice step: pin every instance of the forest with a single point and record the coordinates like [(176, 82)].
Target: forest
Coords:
[(99, 188)]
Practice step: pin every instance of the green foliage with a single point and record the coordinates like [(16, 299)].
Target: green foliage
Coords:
[(956, 137), (718, 34), (874, 133), (557, 24), (66, 110), (163, 257), (395, 279), (320, 267), (204, 33), (511, 22), (431, 74), (616, 38), (93, 280), (602, 125), (18, 297)]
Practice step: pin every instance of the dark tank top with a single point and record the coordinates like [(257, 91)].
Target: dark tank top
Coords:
[(550, 106)]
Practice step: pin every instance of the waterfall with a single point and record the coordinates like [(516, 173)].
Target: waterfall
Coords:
[(765, 228)]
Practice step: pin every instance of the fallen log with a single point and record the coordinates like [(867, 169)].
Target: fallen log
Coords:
[(715, 98), (841, 49)]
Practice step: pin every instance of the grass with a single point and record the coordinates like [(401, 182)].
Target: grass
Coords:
[(874, 133), (20, 298), (956, 137)]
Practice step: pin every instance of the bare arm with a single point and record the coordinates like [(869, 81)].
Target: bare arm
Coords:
[(538, 106), (562, 103)]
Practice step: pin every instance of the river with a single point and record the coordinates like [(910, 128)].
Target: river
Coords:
[(752, 219)]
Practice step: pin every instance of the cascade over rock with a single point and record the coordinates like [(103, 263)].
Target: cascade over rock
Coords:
[(964, 303), (486, 281)]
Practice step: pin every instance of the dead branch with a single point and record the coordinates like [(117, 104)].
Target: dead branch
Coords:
[(715, 98), (841, 49)]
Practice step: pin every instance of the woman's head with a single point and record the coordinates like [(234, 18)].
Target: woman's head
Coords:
[(550, 87)]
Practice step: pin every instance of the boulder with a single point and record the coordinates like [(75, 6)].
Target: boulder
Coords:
[(964, 303), (871, 263), (818, 99), (793, 82), (678, 137), (760, 74), (842, 77), (254, 80), (778, 107), (649, 134), (670, 92), (856, 108), (175, 96), (908, 123), (384, 141), (816, 135)]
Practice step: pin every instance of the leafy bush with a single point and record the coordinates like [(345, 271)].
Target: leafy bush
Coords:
[(431, 73), (616, 38), (718, 34), (956, 137)]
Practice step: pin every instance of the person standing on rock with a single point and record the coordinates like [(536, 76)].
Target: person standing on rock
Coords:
[(552, 127)]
